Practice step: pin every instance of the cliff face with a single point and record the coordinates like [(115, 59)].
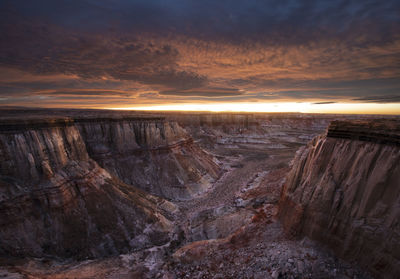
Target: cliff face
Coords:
[(239, 120), (156, 155), (344, 191), (317, 123), (56, 200), (27, 154)]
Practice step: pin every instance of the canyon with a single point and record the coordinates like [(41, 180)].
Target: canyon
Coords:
[(58, 201), (106, 194)]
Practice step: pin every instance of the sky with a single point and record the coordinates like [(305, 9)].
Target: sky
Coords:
[(253, 55)]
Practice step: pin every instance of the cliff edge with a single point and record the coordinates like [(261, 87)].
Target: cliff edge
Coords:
[(73, 187), (56, 201), (344, 191)]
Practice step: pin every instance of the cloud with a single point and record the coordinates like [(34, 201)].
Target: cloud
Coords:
[(323, 103), (275, 22), (205, 92), (92, 92), (47, 49), (380, 99), (219, 51), (148, 95)]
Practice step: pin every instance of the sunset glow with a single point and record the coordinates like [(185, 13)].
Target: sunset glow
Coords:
[(346, 108), (308, 56)]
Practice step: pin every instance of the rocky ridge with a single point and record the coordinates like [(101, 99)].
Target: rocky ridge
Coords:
[(343, 191)]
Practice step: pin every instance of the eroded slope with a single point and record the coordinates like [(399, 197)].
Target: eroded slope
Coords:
[(156, 155), (56, 200), (344, 191)]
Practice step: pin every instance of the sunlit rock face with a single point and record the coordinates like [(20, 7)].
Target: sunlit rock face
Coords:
[(344, 191), (156, 155), (56, 200)]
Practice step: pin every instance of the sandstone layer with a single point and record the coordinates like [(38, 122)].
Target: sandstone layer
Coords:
[(156, 155), (344, 191), (61, 193)]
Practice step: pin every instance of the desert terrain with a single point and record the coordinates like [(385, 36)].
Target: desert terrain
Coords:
[(105, 194)]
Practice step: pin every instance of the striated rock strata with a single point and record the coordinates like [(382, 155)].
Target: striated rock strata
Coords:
[(56, 200), (156, 155), (344, 191)]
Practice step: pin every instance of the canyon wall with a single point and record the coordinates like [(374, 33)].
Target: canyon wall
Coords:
[(311, 122), (238, 120), (157, 156), (344, 191), (64, 184)]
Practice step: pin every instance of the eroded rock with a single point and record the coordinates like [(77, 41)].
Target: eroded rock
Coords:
[(344, 191), (56, 201)]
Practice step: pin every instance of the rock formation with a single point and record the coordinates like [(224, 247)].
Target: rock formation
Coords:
[(344, 191), (156, 155), (223, 120), (78, 183), (62, 191)]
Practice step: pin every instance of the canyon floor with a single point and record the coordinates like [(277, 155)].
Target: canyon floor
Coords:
[(228, 231)]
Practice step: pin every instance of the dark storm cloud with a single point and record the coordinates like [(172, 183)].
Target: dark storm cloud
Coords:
[(277, 20), (326, 88), (380, 99), (49, 49), (226, 50), (323, 103), (12, 91), (88, 93), (35, 86), (64, 87)]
